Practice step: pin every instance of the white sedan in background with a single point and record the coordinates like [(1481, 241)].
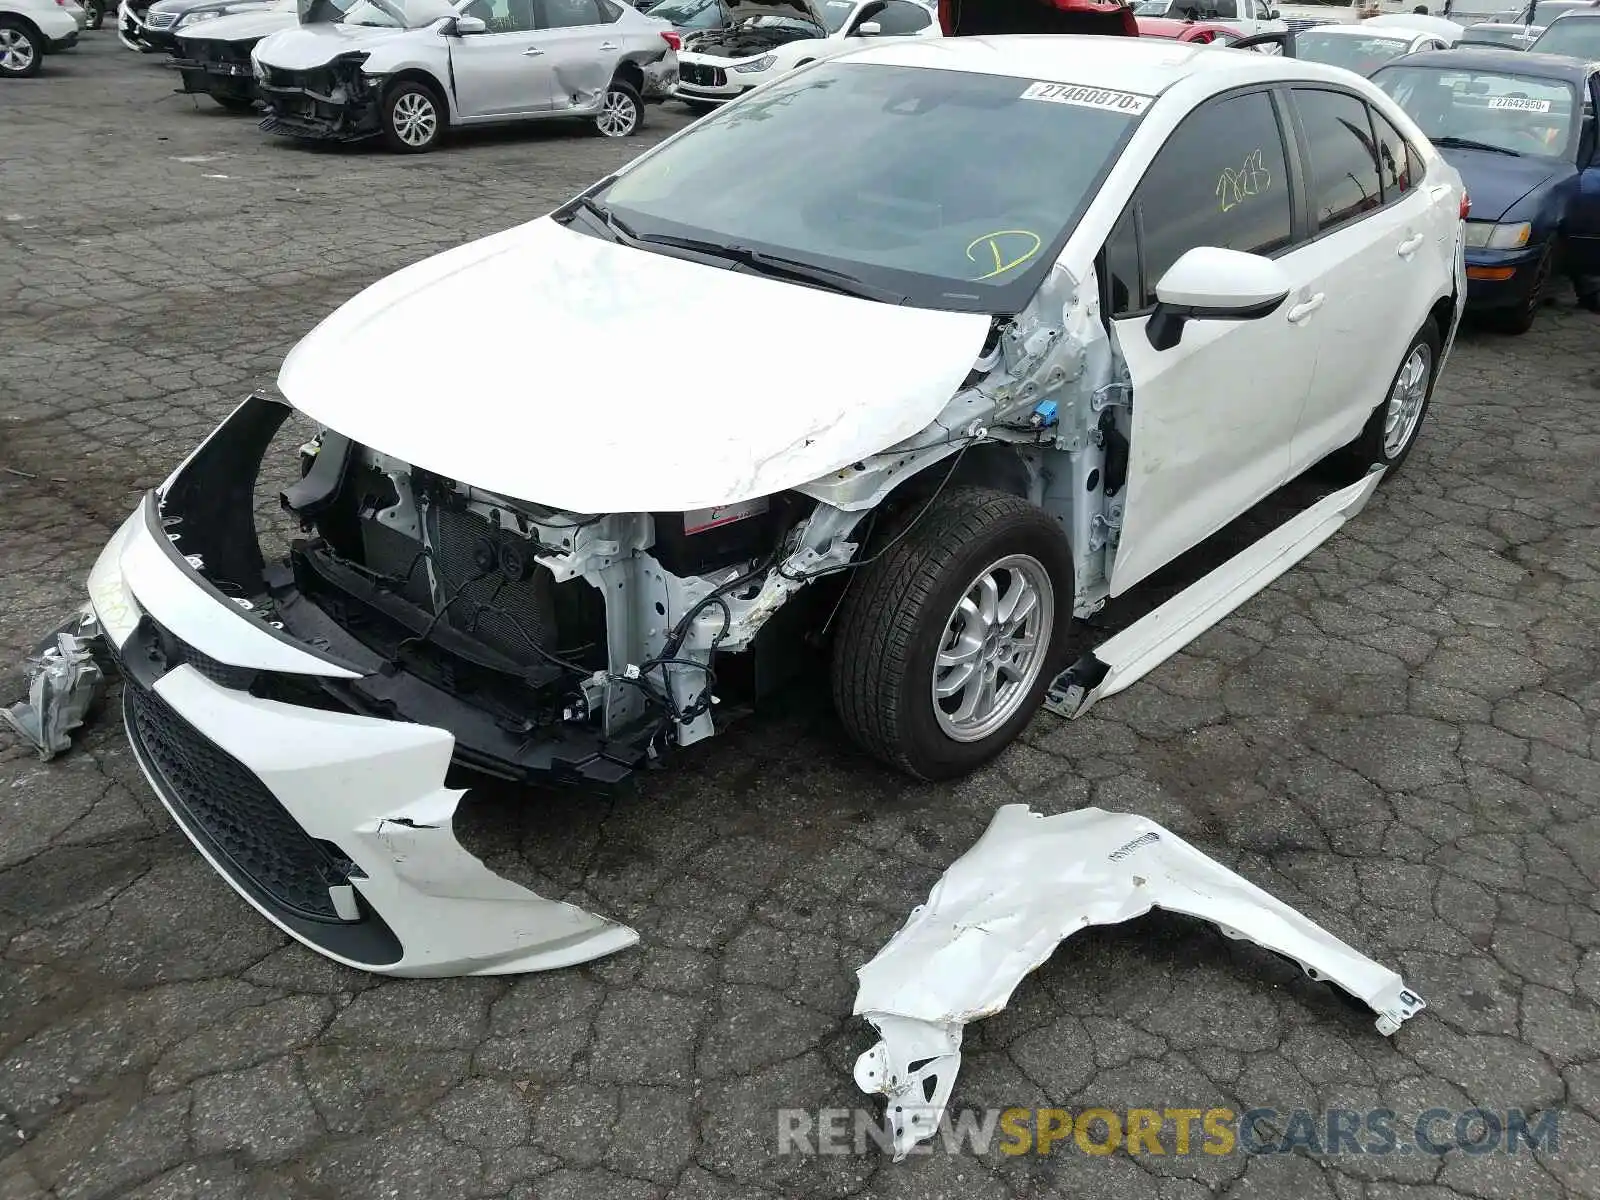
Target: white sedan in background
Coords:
[(1362, 48), (770, 38)]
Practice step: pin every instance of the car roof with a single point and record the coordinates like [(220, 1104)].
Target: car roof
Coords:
[(1487, 58), (1501, 25), (1147, 66), (1393, 32), (1576, 14)]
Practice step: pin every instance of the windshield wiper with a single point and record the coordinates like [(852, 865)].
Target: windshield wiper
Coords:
[(776, 266), (1461, 143), (619, 228)]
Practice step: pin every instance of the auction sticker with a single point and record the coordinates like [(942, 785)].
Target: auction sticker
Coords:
[(1520, 103), (1130, 103)]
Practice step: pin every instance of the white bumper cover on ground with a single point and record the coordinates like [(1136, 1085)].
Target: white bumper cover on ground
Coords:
[(1029, 883)]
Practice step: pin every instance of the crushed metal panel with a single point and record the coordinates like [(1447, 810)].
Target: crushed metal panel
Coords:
[(64, 682), (1029, 883)]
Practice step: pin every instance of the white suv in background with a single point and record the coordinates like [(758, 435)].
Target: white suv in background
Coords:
[(30, 29)]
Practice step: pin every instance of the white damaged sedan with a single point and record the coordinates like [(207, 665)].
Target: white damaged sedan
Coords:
[(1058, 309)]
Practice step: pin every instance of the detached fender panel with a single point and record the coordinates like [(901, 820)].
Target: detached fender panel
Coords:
[(1029, 883)]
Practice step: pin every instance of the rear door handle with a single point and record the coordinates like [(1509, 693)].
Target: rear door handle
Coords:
[(532, 52), (1300, 312), (1410, 246), (609, 46)]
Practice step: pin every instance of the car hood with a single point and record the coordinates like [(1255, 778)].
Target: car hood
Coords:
[(1495, 182), (243, 26), (776, 8), (546, 365), (307, 46), (196, 6)]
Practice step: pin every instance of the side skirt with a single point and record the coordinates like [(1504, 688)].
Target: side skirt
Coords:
[(1129, 656)]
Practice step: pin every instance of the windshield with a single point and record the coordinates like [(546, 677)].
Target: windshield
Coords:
[(1363, 55), (690, 14), (1577, 36), (954, 190), (417, 13), (1520, 114), (835, 13)]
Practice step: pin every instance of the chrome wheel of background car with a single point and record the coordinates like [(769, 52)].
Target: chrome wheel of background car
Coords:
[(416, 120), (993, 648), (17, 51), (619, 116), (1406, 399)]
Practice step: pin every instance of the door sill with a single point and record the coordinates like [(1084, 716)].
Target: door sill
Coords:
[(1130, 655)]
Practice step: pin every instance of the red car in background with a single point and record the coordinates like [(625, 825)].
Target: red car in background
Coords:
[(977, 18), (1186, 31)]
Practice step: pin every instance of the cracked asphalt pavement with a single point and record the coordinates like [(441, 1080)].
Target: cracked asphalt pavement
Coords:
[(1399, 737)]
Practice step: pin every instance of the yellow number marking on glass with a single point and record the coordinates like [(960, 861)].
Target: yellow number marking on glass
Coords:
[(1002, 264)]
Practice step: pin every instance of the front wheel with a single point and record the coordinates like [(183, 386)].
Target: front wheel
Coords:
[(413, 117), (97, 13), (1392, 429), (948, 639), (1519, 318), (236, 104), (621, 112), (21, 51)]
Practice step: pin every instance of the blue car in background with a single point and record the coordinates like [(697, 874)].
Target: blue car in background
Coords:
[(1520, 127)]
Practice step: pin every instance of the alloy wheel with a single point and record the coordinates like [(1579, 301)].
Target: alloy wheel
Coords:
[(994, 646), (619, 116), (1406, 399), (17, 51), (416, 120)]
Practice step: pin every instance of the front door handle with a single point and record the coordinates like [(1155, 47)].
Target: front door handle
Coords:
[(1410, 246), (1301, 311), (532, 52), (609, 46)]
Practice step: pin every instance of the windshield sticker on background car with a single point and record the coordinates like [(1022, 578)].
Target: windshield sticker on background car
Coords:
[(1521, 103), (1009, 248), (1130, 103), (1252, 179)]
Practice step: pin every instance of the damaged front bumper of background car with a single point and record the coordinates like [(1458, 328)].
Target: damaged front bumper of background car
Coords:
[(1029, 883), (335, 102)]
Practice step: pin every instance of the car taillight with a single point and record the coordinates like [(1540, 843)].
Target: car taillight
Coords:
[(1466, 204), (671, 38)]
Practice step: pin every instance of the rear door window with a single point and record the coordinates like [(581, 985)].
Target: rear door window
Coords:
[(1343, 155)]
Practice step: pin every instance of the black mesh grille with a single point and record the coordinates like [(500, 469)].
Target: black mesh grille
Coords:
[(509, 615), (233, 808), (702, 75)]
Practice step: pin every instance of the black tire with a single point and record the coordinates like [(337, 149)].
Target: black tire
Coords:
[(1518, 320), (1370, 450), (611, 121), (1588, 294), (96, 11), (236, 104), (23, 44), (699, 107), (900, 606), (406, 125)]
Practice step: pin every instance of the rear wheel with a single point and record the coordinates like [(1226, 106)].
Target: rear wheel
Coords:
[(621, 112), (948, 640), (21, 49), (413, 117), (97, 13), (1392, 429)]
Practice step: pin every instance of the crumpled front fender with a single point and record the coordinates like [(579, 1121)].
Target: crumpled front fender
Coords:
[(1029, 883)]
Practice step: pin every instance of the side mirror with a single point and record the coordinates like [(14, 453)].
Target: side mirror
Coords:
[(465, 26), (1274, 15), (868, 29), (1212, 284)]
